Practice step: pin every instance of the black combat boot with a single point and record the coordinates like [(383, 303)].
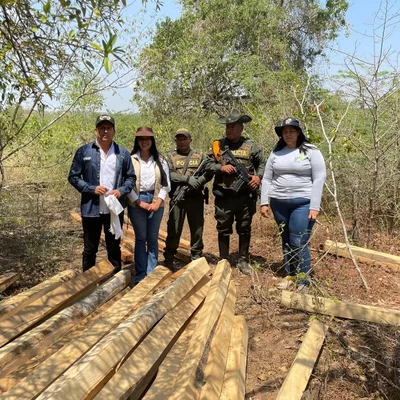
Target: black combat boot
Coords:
[(223, 244), (244, 245)]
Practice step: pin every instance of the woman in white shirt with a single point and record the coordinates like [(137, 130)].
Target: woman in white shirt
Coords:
[(146, 200)]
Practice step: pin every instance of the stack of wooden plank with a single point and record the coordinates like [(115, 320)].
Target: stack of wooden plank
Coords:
[(128, 243), (84, 336), (300, 372)]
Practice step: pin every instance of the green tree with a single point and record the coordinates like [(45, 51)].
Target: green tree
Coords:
[(239, 51), (43, 43)]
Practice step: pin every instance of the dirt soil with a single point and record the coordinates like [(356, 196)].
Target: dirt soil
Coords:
[(358, 360)]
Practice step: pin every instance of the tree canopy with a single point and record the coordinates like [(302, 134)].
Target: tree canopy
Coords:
[(221, 52)]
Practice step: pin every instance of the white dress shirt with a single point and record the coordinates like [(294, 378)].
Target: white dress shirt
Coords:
[(148, 178), (108, 163)]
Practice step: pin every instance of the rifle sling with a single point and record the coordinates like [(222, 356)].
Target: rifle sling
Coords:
[(187, 161)]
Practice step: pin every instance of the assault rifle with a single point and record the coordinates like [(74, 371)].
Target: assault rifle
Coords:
[(243, 174), (180, 193)]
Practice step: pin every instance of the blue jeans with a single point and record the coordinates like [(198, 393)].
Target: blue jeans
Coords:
[(146, 226), (291, 215)]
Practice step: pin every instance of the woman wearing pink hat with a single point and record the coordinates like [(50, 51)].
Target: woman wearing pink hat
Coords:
[(146, 200)]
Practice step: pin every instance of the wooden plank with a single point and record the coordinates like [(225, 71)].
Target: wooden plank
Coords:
[(190, 376), (234, 386), (299, 374), (168, 371), (45, 374), (7, 279), (139, 369), (183, 243), (340, 309), (94, 369), (215, 369), (52, 302), (11, 305), (363, 255), (28, 345), (28, 367)]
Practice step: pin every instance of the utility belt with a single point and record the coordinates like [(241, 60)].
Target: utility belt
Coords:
[(222, 192)]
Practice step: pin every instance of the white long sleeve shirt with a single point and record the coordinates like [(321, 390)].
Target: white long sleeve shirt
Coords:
[(108, 163), (148, 178)]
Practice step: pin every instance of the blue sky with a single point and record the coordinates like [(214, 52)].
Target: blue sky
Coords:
[(358, 40), (362, 18)]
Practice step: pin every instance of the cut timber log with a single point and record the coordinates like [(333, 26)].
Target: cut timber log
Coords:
[(52, 302), (139, 369), (27, 368), (11, 305), (46, 373), (340, 309), (235, 372), (7, 280), (297, 379), (28, 345), (190, 376), (183, 243), (164, 383), (363, 255), (93, 370), (217, 358)]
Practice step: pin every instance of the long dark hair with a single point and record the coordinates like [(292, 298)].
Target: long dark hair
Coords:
[(302, 143), (158, 158)]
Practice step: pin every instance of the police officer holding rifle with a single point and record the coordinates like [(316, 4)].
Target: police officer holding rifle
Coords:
[(238, 165), (189, 173)]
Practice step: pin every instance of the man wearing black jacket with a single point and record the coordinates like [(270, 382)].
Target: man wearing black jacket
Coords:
[(101, 168)]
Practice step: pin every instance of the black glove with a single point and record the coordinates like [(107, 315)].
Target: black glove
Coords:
[(202, 180), (194, 183)]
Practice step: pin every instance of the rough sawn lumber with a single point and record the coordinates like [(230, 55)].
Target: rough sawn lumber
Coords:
[(234, 384), (138, 370), (167, 373), (363, 255), (29, 344), (217, 358), (11, 305), (88, 375), (29, 366), (52, 301), (340, 309), (7, 279), (190, 377), (299, 374), (45, 374)]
